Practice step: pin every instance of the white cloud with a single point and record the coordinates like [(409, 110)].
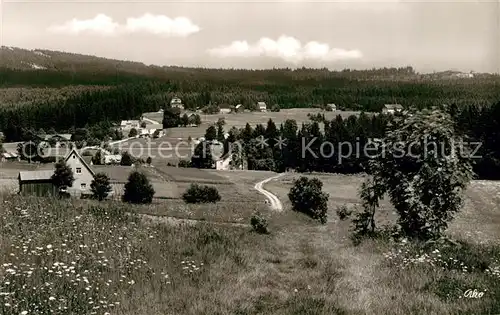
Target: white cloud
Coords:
[(100, 24), (162, 25), (286, 48), (148, 23)]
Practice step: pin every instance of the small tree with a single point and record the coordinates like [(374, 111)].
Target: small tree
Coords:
[(197, 120), (307, 197), (202, 157), (211, 133), (143, 124), (259, 223), (63, 175), (149, 160), (100, 186), (127, 159), (138, 190), (424, 170), (132, 133), (185, 120), (201, 194)]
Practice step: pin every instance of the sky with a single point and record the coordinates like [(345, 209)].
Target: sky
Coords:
[(430, 36)]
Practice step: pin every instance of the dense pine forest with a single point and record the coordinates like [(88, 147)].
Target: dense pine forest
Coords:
[(62, 91)]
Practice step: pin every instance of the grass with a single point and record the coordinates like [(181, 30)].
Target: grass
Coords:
[(300, 268)]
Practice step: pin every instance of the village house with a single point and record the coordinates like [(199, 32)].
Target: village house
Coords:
[(112, 159), (40, 182), (392, 108), (59, 137), (332, 107), (176, 103), (225, 110), (127, 125), (262, 106)]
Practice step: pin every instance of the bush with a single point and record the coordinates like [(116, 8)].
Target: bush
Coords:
[(133, 133), (201, 194), (184, 163), (307, 197), (100, 186), (259, 223), (343, 212), (127, 159), (138, 190)]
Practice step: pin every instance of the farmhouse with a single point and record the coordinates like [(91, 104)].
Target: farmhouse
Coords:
[(40, 182), (262, 106), (129, 124), (392, 108), (60, 137), (176, 103), (225, 110), (332, 107)]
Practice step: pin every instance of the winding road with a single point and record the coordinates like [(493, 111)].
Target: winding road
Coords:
[(275, 203)]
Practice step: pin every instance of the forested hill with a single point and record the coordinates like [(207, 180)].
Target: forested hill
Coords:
[(51, 89)]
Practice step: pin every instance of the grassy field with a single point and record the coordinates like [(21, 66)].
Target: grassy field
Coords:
[(60, 255)]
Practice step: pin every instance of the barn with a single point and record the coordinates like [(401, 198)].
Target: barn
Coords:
[(38, 183)]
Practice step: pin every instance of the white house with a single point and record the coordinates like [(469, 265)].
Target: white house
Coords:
[(262, 106), (176, 103), (112, 159), (127, 125), (392, 108), (225, 110), (82, 173), (333, 107), (238, 107)]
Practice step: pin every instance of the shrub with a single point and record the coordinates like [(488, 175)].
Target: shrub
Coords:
[(149, 160), (100, 186), (127, 159), (307, 197), (184, 163), (138, 190), (201, 194), (259, 223), (132, 133), (343, 212), (63, 175)]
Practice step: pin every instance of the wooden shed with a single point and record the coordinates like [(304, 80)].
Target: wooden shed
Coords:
[(38, 183)]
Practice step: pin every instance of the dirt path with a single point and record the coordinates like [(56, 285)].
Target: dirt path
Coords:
[(275, 203)]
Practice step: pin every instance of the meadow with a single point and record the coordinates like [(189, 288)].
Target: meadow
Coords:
[(82, 257)]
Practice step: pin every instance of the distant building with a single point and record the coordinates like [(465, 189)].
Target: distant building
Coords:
[(127, 125), (112, 159), (225, 110), (238, 107), (176, 103), (333, 107), (462, 75), (392, 108), (9, 156), (262, 106), (58, 137)]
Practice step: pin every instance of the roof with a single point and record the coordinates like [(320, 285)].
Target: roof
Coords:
[(393, 106), (154, 126), (175, 100), (36, 175), (8, 155), (81, 159), (87, 159), (129, 122), (331, 105), (46, 137), (261, 104), (238, 106)]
